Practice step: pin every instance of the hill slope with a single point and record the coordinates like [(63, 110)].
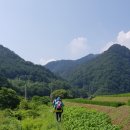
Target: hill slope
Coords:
[(12, 66), (64, 68), (108, 73)]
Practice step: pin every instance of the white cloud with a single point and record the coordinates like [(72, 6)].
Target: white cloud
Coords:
[(78, 47), (122, 39), (45, 61)]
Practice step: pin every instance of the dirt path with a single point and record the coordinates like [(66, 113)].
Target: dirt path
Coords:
[(119, 116)]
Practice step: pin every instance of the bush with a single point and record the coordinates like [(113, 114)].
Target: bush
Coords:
[(8, 98), (59, 93), (41, 100), (24, 104), (22, 114)]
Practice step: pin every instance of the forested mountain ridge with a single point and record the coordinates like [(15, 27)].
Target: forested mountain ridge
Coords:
[(108, 73), (64, 68), (12, 66)]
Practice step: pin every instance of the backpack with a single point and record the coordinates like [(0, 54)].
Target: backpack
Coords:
[(59, 105)]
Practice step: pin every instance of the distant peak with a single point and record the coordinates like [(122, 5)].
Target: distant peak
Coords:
[(117, 47)]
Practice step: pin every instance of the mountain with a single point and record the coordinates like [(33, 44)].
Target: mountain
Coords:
[(12, 66), (64, 68), (108, 73)]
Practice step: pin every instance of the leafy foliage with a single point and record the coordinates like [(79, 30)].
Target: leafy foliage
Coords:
[(59, 84), (40, 118), (33, 88), (4, 82), (41, 100), (76, 118), (59, 93), (38, 88), (8, 98), (34, 118)]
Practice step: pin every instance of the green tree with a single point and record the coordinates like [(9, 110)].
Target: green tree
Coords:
[(60, 92), (8, 98), (59, 84)]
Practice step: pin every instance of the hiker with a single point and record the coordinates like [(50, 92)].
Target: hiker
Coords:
[(59, 108)]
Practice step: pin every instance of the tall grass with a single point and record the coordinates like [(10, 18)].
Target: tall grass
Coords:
[(102, 103), (34, 116)]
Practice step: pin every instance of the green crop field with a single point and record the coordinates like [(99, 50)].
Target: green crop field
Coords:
[(79, 114), (102, 103), (41, 117), (77, 118), (112, 98)]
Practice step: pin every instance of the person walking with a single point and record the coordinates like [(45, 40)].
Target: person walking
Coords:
[(59, 108)]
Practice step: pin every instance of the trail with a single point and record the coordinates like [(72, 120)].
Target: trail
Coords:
[(56, 125), (119, 116)]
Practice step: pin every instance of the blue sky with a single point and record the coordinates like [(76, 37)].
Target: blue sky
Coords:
[(45, 30)]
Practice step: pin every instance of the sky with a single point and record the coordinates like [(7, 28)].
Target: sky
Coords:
[(45, 30)]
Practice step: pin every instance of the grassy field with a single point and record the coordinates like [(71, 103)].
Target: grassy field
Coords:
[(112, 98), (45, 120), (118, 95), (33, 115), (36, 116), (97, 102), (74, 118)]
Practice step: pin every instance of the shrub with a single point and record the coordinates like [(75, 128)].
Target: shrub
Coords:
[(24, 104), (41, 100), (59, 93), (8, 98)]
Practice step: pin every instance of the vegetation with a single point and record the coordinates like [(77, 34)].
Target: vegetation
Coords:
[(119, 115), (12, 66), (107, 73), (129, 102), (8, 98), (35, 115), (60, 92), (77, 118), (111, 98), (102, 103), (64, 68), (38, 88), (118, 95), (33, 88), (4, 82)]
